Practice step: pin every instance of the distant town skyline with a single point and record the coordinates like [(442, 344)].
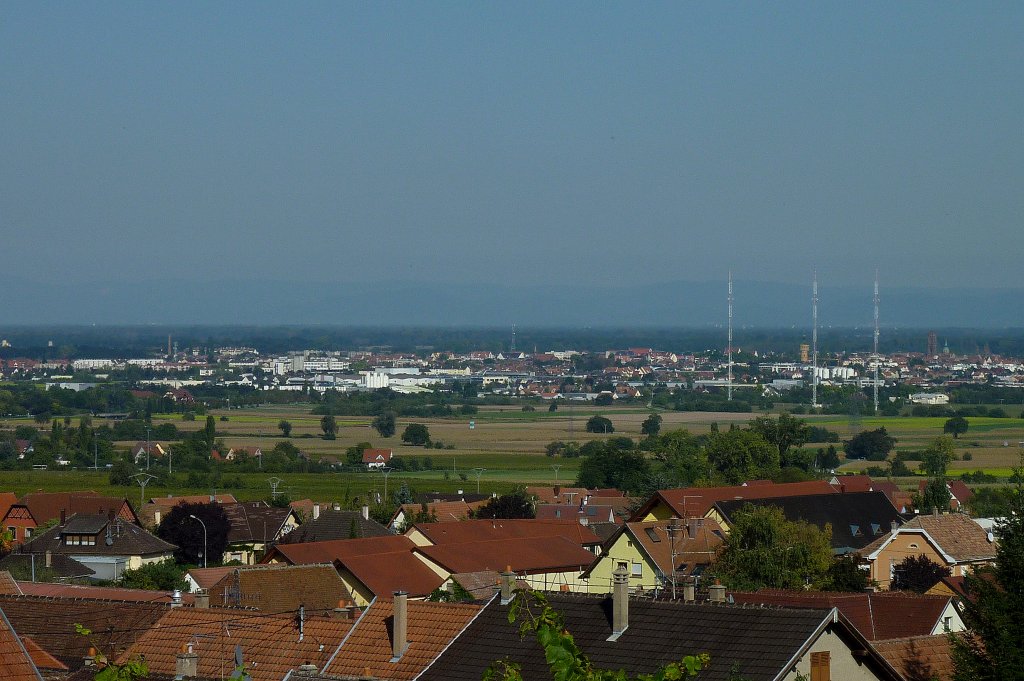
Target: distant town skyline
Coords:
[(339, 146)]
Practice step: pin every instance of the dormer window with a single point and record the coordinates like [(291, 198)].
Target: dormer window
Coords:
[(855, 531)]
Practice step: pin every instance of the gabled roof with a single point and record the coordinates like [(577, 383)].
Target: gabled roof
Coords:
[(45, 506), (556, 494), (876, 615), (107, 593), (385, 573), (281, 588), (655, 540), (919, 657), (61, 567), (127, 539), (377, 455), (7, 583), (14, 659), (50, 622), (480, 530), (444, 511), (755, 643), (270, 643), (333, 525), (40, 658), (584, 514), (367, 651), (530, 555), (857, 518), (686, 502), (163, 505), (955, 535), (254, 521), (7, 499), (207, 577)]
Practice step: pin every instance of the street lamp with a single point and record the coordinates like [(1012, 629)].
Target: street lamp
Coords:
[(193, 517)]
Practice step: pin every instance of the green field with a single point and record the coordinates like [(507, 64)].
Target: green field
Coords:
[(507, 443)]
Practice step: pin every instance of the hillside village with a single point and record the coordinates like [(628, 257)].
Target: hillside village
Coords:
[(310, 590)]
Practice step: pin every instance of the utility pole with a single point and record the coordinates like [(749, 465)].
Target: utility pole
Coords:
[(556, 467), (143, 480), (479, 472), (147, 448), (814, 342), (386, 470), (729, 350), (874, 357)]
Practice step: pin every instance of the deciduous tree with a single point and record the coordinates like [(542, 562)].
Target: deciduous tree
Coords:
[(186, 533), (416, 434), (651, 425), (955, 426), (917, 574), (384, 424), (873, 445)]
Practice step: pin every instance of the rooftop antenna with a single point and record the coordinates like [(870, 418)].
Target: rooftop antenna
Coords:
[(874, 357), (729, 350), (814, 341)]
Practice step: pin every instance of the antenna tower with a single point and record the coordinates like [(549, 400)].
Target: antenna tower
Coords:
[(814, 342), (729, 348), (512, 348), (874, 357)]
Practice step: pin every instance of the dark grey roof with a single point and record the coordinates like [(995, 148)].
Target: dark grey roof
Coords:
[(126, 539), (857, 518), (63, 567), (754, 643), (254, 521), (85, 524), (335, 525)]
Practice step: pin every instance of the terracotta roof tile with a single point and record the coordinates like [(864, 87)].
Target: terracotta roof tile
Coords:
[(955, 533), (877, 615), (690, 501), (444, 511), (281, 588), (14, 659), (689, 551), (385, 573), (919, 657), (431, 627), (107, 593), (128, 539), (46, 506), (40, 658), (529, 555), (50, 622), (207, 577), (270, 643), (481, 530), (328, 551), (7, 583)]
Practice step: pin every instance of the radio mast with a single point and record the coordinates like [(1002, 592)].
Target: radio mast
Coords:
[(814, 342), (729, 348), (874, 357)]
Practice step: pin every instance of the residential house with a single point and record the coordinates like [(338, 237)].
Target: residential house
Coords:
[(281, 588), (105, 543), (876, 615), (147, 451), (439, 511), (959, 494), (371, 567), (254, 527), (376, 647), (556, 494), (640, 636), (201, 579), (856, 518), (328, 525), (424, 534), (46, 569), (377, 458), (659, 554), (212, 642), (952, 540), (39, 508), (688, 502)]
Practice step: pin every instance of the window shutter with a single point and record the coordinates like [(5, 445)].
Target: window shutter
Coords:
[(820, 663)]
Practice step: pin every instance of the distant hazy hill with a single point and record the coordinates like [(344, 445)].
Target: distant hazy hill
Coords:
[(677, 304)]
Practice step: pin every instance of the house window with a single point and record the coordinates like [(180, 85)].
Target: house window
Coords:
[(820, 666), (89, 541), (13, 531), (638, 569), (946, 622), (913, 546), (28, 532)]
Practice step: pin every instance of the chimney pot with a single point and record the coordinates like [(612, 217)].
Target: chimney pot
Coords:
[(316, 511), (63, 516), (893, 526), (366, 512), (689, 592), (202, 600), (49, 558), (507, 580), (620, 601), (399, 630), (186, 665), (716, 593)]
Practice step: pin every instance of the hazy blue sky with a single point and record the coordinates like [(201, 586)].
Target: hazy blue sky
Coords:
[(528, 142)]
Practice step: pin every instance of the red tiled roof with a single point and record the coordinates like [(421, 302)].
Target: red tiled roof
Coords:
[(854, 483), (40, 658), (270, 643), (281, 588), (207, 577), (328, 551), (376, 455), (14, 659), (481, 530), (110, 593), (444, 511), (531, 555), (385, 573), (919, 657), (46, 506), (877, 615), (431, 627), (7, 583), (956, 534), (697, 501)]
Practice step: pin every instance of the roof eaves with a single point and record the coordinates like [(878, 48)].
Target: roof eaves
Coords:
[(830, 618)]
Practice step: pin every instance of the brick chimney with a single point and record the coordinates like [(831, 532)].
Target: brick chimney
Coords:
[(689, 592), (400, 625), (620, 601), (186, 663), (202, 600), (49, 558), (307, 669)]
